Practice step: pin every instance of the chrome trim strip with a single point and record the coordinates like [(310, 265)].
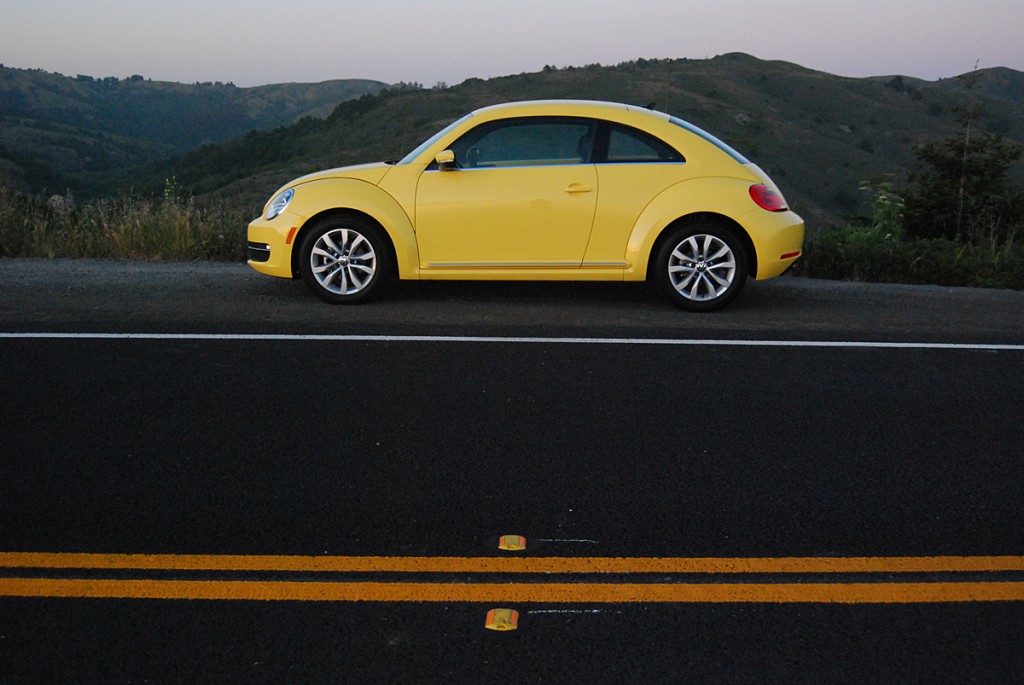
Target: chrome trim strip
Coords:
[(526, 265), (501, 265)]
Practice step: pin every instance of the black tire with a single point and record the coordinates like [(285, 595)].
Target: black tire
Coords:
[(701, 267), (344, 260)]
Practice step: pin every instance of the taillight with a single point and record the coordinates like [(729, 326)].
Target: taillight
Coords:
[(768, 198)]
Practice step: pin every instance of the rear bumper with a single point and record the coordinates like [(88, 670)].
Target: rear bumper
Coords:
[(779, 242)]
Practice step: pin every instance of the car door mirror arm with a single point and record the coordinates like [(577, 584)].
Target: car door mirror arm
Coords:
[(446, 161)]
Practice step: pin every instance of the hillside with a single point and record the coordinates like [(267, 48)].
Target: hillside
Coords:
[(58, 132), (820, 136)]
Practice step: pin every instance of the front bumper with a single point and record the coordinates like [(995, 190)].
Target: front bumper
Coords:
[(259, 252), (271, 244)]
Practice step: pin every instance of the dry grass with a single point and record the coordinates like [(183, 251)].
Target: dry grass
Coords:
[(174, 228), (171, 228)]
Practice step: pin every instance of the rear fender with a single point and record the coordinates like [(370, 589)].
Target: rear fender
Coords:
[(701, 196)]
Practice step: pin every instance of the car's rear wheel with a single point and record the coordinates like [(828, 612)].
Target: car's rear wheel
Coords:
[(701, 267), (343, 259)]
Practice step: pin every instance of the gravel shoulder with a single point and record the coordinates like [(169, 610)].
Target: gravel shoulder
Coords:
[(125, 296)]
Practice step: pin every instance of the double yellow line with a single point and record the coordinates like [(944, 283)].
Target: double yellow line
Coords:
[(788, 579)]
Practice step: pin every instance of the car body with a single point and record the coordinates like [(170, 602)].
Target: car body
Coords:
[(552, 190)]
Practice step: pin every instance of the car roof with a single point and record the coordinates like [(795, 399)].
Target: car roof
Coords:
[(568, 107)]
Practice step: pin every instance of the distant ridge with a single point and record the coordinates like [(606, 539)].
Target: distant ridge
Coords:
[(819, 135), (63, 132)]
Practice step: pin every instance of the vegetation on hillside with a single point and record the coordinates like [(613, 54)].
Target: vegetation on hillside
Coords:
[(900, 180), (956, 219), (881, 251), (816, 134), (88, 135)]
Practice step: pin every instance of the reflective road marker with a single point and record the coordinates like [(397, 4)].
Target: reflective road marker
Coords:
[(512, 543), (502, 619)]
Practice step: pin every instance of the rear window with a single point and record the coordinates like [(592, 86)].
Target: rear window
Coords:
[(710, 138)]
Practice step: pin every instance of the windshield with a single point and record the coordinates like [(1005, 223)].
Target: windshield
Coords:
[(430, 141)]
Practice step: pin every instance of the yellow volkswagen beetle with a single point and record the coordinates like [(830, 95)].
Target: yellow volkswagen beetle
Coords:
[(555, 190)]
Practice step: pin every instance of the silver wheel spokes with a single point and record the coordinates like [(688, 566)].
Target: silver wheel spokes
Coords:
[(343, 261), (702, 267)]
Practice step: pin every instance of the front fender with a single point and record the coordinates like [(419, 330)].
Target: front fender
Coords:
[(322, 197)]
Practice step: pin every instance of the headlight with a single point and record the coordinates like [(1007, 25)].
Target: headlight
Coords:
[(279, 203)]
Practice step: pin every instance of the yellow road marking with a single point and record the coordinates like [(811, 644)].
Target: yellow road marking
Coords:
[(586, 593), (374, 564), (559, 592)]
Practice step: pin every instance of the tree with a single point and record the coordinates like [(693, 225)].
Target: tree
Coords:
[(962, 189)]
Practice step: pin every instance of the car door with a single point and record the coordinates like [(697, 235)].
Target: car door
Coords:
[(633, 167), (522, 194)]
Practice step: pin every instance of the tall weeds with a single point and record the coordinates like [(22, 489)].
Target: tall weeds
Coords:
[(172, 227), (864, 254)]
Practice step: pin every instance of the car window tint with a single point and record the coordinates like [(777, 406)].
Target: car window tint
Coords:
[(527, 142), (628, 145)]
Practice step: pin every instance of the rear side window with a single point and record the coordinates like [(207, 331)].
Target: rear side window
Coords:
[(632, 146)]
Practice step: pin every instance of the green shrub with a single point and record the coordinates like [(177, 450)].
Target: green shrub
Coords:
[(882, 252), (868, 254)]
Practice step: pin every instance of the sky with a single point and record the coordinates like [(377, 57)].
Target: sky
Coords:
[(447, 41)]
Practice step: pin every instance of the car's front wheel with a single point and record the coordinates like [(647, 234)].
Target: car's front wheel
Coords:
[(701, 267), (343, 259)]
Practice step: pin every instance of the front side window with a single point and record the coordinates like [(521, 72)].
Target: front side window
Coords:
[(530, 141)]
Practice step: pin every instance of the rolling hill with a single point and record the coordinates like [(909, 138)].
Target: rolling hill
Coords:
[(60, 133), (819, 135)]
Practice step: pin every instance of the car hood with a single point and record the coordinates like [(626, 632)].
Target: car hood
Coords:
[(371, 173)]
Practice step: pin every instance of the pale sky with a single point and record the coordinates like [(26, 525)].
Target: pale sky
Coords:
[(259, 42)]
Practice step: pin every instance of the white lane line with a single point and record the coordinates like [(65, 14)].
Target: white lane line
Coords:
[(270, 337)]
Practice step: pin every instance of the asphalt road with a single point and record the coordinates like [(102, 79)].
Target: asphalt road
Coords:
[(430, 423), (206, 297)]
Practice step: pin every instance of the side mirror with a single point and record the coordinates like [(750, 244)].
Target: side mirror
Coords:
[(446, 161)]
